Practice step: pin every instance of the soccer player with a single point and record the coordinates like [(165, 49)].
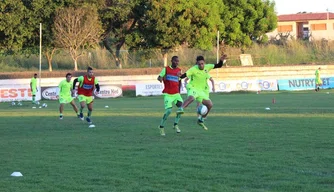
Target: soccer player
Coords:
[(198, 86), (171, 92), (87, 83), (65, 90), (318, 81), (33, 88), (207, 92)]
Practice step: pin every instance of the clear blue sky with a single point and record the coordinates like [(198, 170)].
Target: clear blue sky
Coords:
[(295, 6)]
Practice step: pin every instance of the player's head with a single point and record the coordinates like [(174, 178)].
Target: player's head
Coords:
[(90, 72), (68, 77), (35, 75), (175, 61), (200, 62), (319, 68)]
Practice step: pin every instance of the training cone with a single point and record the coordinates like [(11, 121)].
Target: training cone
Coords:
[(274, 101), (16, 174)]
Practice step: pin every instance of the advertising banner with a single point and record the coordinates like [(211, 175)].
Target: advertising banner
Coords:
[(237, 85), (106, 91), (17, 93), (304, 84), (268, 85), (149, 89), (109, 91)]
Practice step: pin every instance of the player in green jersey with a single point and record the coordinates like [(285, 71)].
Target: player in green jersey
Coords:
[(65, 95), (198, 87), (318, 81), (33, 88)]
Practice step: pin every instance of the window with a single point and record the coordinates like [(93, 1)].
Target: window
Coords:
[(284, 28), (318, 27)]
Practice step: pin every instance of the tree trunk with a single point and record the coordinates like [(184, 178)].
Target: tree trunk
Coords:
[(75, 64), (49, 56), (164, 54), (118, 60)]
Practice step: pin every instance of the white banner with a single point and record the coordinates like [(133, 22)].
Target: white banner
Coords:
[(17, 93), (149, 89), (237, 85), (268, 85)]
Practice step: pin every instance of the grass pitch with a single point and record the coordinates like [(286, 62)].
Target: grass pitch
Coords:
[(247, 148)]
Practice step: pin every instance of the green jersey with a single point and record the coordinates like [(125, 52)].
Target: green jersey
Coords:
[(65, 88), (33, 83), (198, 78), (317, 74)]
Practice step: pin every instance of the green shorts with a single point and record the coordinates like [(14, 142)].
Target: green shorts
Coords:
[(86, 99), (64, 100), (318, 81), (170, 99), (199, 95), (34, 91)]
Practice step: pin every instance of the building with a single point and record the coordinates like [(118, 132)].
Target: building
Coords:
[(310, 26)]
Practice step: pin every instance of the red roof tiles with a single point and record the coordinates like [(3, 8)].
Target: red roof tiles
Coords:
[(305, 17)]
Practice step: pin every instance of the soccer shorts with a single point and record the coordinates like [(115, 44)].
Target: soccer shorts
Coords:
[(86, 99), (318, 81), (170, 99), (199, 95), (34, 91), (64, 100)]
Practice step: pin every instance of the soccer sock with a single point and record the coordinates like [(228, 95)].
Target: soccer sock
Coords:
[(164, 118), (33, 98), (81, 109), (60, 114), (89, 113), (177, 119)]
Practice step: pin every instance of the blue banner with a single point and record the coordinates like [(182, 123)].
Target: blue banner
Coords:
[(304, 84)]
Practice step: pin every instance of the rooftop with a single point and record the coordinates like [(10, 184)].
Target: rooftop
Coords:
[(305, 16)]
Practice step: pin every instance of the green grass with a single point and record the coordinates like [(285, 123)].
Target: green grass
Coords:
[(247, 148)]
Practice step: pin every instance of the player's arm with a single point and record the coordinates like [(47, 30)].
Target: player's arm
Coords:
[(221, 62), (97, 85), (213, 84), (162, 75), (74, 83), (30, 85)]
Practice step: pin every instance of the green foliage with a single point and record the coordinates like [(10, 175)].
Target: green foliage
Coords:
[(247, 21)]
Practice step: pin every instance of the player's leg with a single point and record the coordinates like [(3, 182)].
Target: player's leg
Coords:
[(61, 109), (168, 110), (34, 96), (178, 102), (204, 99), (74, 106), (82, 101), (208, 103), (90, 108)]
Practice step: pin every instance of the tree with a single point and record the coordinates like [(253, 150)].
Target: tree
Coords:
[(119, 18), (167, 24), (76, 29), (14, 25), (247, 20)]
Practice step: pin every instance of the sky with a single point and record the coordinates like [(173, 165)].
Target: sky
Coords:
[(295, 6)]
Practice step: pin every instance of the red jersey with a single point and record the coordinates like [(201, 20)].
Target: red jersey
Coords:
[(171, 81), (86, 88)]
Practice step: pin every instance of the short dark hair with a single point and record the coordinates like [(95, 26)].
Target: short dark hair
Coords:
[(68, 74), (89, 69), (174, 57), (35, 74), (199, 58)]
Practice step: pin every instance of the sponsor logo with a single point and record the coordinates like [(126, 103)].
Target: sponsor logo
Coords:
[(109, 91), (50, 93), (154, 86), (12, 93)]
